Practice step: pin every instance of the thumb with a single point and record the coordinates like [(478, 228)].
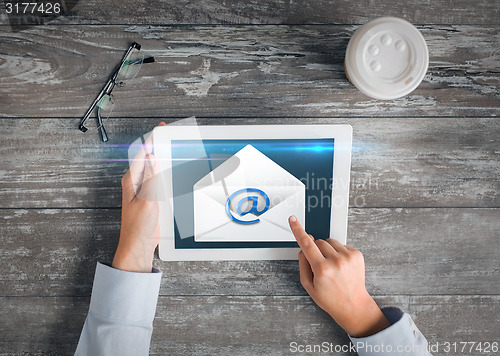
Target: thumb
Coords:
[(150, 180)]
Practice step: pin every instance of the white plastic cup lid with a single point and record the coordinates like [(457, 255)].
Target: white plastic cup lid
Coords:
[(386, 58)]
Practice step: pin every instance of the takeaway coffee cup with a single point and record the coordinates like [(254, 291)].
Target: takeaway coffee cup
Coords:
[(386, 58)]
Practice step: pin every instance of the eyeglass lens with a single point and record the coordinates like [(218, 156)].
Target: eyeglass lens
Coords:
[(130, 67), (106, 105)]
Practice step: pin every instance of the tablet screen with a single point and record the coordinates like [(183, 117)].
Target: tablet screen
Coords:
[(303, 163)]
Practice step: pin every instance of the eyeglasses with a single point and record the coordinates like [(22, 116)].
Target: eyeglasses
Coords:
[(128, 69)]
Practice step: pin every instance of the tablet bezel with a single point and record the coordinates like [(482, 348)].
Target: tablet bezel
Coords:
[(163, 136)]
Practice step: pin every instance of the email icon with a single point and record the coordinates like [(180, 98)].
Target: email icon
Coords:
[(248, 198)]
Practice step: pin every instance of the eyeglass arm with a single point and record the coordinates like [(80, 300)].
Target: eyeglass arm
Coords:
[(103, 91), (102, 131)]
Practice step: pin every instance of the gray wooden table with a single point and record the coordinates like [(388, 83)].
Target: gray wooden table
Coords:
[(425, 203)]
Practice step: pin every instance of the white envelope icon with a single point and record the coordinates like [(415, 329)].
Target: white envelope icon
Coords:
[(248, 198)]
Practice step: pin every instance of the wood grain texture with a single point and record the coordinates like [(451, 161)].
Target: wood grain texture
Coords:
[(217, 325), (397, 162), (279, 12), (243, 71), (424, 192), (232, 325), (41, 326), (53, 252), (4, 22), (457, 319)]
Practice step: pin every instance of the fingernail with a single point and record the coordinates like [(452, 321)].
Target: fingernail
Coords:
[(150, 160), (293, 218)]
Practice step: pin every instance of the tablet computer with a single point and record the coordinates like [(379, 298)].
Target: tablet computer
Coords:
[(226, 192)]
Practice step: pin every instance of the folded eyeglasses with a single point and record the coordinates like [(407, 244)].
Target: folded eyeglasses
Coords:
[(128, 69)]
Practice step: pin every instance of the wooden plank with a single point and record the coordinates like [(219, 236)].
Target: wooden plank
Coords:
[(460, 319), (244, 71), (277, 12), (258, 325), (396, 162), (420, 251), (267, 325), (53, 252), (49, 325), (241, 325), (43, 250), (205, 325)]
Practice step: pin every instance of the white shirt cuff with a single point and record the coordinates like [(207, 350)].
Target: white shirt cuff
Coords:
[(401, 338), (124, 297)]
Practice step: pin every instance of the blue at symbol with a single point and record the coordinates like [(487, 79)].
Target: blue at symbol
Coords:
[(253, 209)]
